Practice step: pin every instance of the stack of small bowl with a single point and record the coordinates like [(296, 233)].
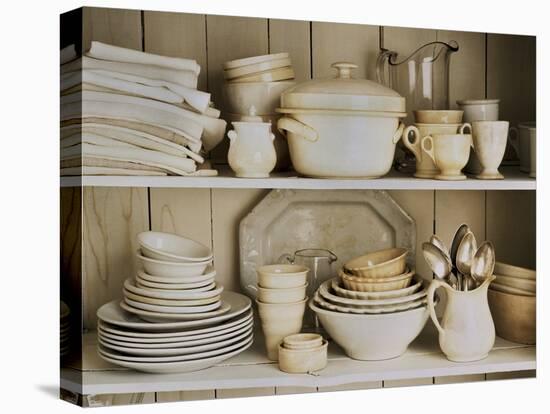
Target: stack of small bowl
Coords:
[(281, 303), (174, 316), (258, 82), (64, 329), (303, 353), (513, 303), (372, 310)]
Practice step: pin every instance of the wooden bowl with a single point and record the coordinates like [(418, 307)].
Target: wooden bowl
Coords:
[(515, 316)]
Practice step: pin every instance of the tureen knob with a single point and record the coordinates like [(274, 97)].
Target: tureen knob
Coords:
[(344, 69)]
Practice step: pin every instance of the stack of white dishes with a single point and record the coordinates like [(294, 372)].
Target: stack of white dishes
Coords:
[(174, 293), (513, 303), (64, 329), (258, 82), (281, 303), (372, 310), (303, 353)]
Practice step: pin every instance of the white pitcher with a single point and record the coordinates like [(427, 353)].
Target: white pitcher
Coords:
[(251, 150), (467, 331)]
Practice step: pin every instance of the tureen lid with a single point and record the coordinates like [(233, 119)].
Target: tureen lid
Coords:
[(343, 93)]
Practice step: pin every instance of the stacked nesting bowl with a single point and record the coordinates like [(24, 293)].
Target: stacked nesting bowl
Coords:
[(513, 303), (375, 308), (258, 82)]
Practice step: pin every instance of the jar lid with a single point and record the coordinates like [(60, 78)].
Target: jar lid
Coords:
[(343, 93)]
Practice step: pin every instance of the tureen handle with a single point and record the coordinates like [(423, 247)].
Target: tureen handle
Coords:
[(296, 127), (398, 133)]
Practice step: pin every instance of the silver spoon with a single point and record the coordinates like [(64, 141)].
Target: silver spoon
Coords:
[(466, 251), (457, 238), (483, 262), (437, 242), (438, 261)]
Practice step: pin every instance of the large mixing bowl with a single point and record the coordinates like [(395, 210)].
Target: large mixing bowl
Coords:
[(373, 337)]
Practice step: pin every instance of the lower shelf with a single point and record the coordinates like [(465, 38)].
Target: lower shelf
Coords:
[(422, 359)]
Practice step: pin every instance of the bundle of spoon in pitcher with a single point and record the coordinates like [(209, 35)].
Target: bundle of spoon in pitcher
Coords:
[(465, 266)]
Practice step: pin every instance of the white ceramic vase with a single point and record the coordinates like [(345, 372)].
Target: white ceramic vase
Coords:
[(467, 331)]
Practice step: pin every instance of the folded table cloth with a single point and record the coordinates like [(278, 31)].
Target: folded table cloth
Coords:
[(128, 137), (137, 128), (214, 129), (120, 54), (100, 162), (185, 78)]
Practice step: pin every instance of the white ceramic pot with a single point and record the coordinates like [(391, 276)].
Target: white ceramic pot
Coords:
[(251, 150), (467, 331), (264, 96), (373, 337), (479, 109), (327, 144), (341, 127)]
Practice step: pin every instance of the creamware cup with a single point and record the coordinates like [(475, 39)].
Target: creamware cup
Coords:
[(449, 152), (280, 276), (490, 138), (412, 135), (285, 295), (433, 116)]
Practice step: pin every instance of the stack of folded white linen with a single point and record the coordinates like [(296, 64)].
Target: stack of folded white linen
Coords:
[(126, 112)]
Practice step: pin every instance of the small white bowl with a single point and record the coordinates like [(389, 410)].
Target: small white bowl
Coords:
[(281, 276), (303, 341), (172, 269), (301, 361), (288, 295), (172, 248)]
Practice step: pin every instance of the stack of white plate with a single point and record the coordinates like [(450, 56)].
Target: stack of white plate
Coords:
[(64, 329), (177, 346), (174, 292)]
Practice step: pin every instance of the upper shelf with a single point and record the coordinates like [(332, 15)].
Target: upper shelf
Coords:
[(514, 180)]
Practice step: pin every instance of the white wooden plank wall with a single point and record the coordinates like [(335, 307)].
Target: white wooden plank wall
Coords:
[(484, 66)]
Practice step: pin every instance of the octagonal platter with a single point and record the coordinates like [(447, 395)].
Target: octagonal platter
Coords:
[(347, 222)]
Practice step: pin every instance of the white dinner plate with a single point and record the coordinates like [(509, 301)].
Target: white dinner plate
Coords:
[(180, 351), (207, 354), (179, 335), (177, 310), (177, 367), (319, 301), (130, 285), (325, 292), (210, 273), (113, 313), (171, 302), (207, 284), (181, 341), (156, 317)]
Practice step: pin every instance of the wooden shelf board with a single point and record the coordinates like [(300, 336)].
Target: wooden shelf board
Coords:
[(514, 180), (422, 359)]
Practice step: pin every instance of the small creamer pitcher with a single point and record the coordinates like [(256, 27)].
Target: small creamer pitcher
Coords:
[(467, 331)]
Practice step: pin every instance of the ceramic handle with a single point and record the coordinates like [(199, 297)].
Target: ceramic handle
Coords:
[(413, 145), (513, 139), (398, 133), (232, 135), (463, 127), (298, 128), (431, 304), (429, 151)]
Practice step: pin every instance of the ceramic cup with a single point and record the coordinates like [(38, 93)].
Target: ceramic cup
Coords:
[(433, 116), (449, 153), (489, 138), (412, 135), (479, 109)]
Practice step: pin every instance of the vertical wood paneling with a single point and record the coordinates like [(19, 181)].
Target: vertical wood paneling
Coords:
[(229, 207), (178, 35), (511, 75), (292, 36), (112, 219), (184, 211), (337, 42), (114, 26), (186, 395), (245, 392), (467, 74), (231, 38), (420, 206), (511, 226)]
